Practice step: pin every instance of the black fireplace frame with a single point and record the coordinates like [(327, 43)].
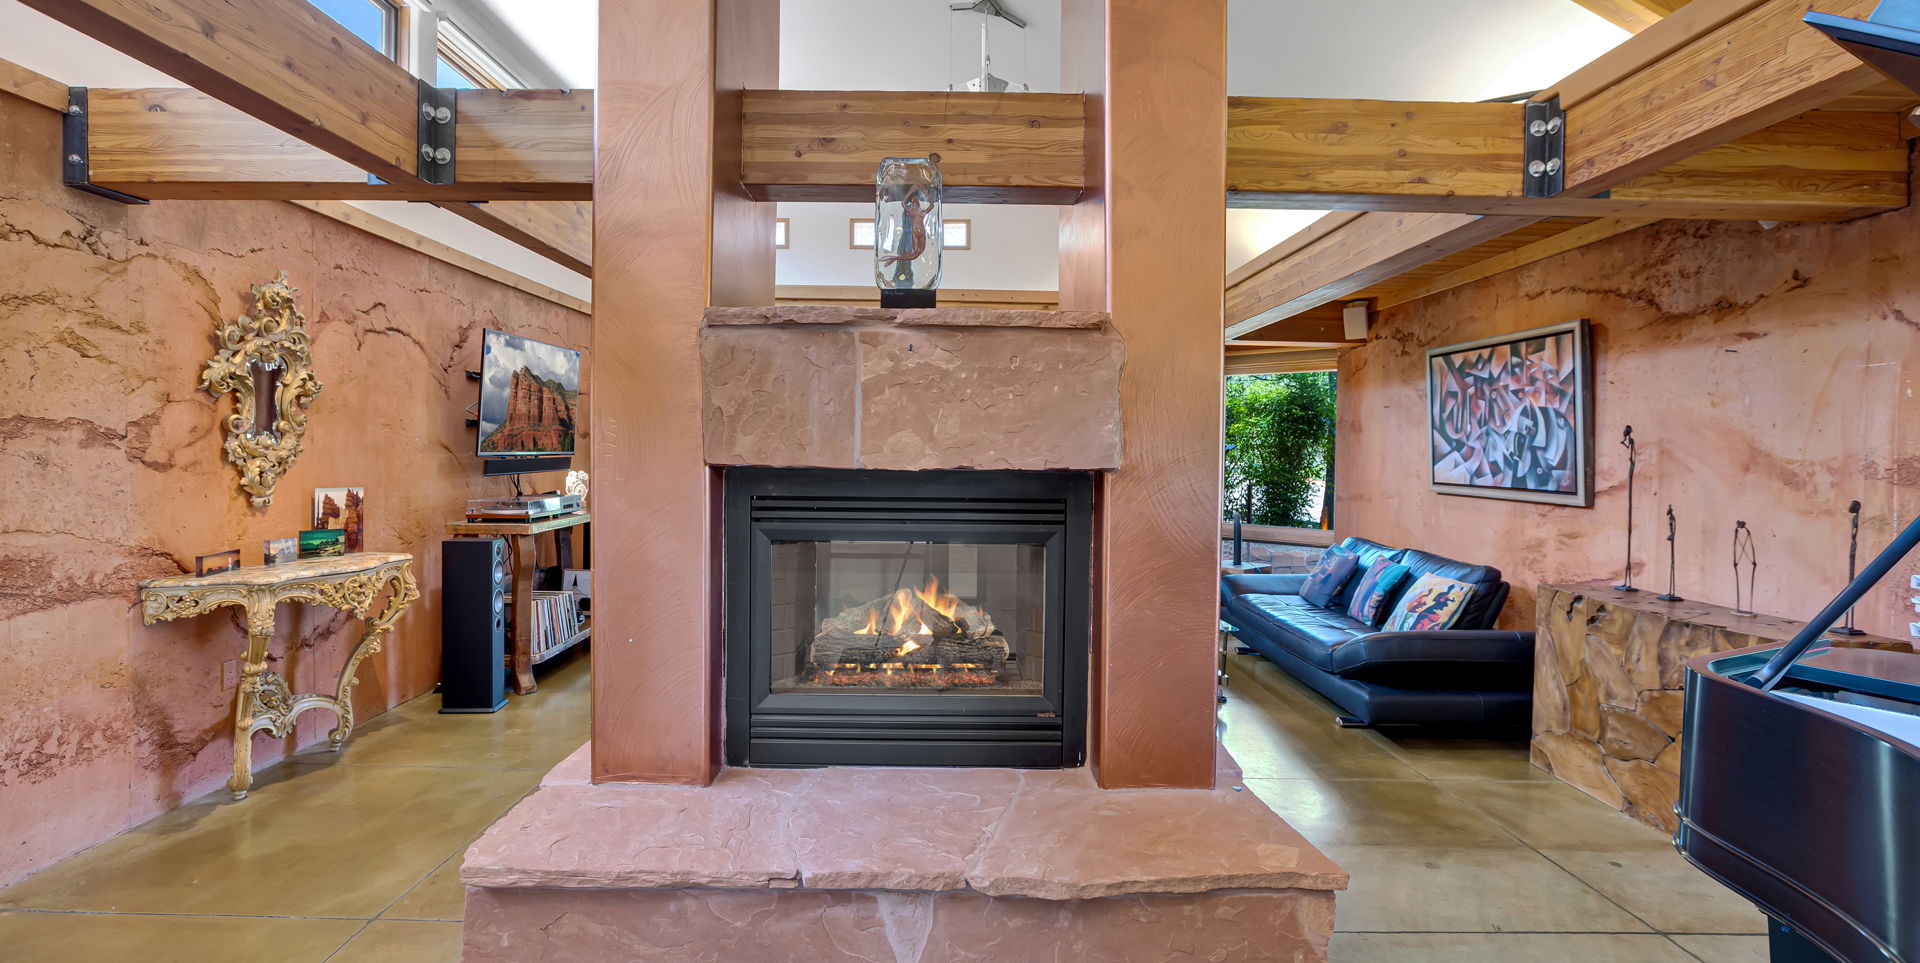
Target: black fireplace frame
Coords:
[(905, 727)]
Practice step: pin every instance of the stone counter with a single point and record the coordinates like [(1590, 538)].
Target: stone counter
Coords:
[(904, 865), (1608, 672)]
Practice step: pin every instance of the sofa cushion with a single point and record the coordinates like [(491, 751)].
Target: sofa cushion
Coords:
[(1366, 552), (1329, 576), (1306, 630), (1479, 612), (1431, 603), (1376, 589)]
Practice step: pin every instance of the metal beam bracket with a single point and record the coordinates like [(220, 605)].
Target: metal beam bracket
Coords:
[(436, 133), (74, 155), (1545, 148)]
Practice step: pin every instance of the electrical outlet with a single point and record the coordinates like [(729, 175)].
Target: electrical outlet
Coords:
[(230, 674)]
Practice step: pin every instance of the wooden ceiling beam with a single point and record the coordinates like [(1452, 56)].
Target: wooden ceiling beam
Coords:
[(560, 231), (1370, 155), (287, 64), (1756, 70), (1711, 74), (1007, 148), (1632, 15), (172, 143)]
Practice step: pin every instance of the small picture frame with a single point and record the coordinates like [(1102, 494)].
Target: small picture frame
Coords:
[(216, 563), (343, 509), (279, 551), (323, 543)]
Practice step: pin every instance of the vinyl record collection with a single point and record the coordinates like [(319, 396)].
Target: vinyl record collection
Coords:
[(556, 620)]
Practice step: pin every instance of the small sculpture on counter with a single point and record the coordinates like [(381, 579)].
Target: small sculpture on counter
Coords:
[(907, 231), (1853, 560), (1670, 596), (1626, 441), (1743, 551)]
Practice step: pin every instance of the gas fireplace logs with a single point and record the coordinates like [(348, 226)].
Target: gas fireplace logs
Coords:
[(912, 637)]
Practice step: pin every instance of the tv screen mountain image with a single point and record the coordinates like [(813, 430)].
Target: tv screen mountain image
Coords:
[(529, 392)]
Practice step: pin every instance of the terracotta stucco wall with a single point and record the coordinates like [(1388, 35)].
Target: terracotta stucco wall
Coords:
[(114, 472), (1769, 375)]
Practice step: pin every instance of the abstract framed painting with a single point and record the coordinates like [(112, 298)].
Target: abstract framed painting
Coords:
[(1512, 416)]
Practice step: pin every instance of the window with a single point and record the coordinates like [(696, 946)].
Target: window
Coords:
[(782, 236), (1279, 459), (463, 65), (375, 21), (955, 235)]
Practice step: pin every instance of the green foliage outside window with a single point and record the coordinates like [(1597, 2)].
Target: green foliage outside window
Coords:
[(1280, 448)]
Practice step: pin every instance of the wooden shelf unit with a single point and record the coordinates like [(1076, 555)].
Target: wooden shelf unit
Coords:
[(523, 541)]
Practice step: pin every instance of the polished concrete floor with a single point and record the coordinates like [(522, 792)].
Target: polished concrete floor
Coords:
[(1459, 849)]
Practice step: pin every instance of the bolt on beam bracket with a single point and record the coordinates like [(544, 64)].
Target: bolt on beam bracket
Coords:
[(1544, 148), (75, 166), (438, 114)]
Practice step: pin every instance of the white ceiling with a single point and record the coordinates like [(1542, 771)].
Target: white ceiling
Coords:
[(1391, 49)]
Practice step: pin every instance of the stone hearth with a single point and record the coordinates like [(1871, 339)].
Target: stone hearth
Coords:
[(849, 387), (919, 865)]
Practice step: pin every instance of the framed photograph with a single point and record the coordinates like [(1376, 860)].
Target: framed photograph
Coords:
[(216, 563), (279, 551), (323, 543), (1512, 416), (344, 509)]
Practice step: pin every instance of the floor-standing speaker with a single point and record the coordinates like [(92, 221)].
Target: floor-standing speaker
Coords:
[(473, 624)]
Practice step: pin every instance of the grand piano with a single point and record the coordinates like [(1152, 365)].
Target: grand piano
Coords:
[(1800, 785)]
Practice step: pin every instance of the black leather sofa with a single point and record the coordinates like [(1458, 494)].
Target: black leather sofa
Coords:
[(1470, 675)]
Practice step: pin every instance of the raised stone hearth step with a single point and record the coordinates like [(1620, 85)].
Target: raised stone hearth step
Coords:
[(909, 864)]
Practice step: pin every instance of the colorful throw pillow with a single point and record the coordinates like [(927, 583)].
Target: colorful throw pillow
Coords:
[(1335, 567), (1370, 596), (1431, 603)]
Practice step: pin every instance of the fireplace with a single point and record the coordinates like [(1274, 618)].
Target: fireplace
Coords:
[(916, 618)]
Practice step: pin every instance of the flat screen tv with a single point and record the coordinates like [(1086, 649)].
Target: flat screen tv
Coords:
[(529, 394)]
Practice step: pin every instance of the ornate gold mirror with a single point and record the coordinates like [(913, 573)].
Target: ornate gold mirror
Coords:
[(266, 363)]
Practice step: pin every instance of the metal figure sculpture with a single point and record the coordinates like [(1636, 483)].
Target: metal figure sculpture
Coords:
[(1672, 527), (1853, 560), (1743, 551), (1627, 442)]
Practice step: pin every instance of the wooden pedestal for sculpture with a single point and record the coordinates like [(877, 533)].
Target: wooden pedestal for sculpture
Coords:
[(1607, 677)]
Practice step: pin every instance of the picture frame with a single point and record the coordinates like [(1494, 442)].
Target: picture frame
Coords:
[(279, 551), (216, 563), (1511, 416), (323, 543), (343, 509)]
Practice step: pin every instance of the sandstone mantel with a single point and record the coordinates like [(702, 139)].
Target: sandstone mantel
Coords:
[(1607, 687), (856, 387)]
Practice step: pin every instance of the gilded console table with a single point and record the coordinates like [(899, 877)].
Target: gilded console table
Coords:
[(351, 583)]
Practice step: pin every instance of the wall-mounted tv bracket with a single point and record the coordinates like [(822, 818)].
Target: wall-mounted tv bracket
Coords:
[(473, 375), (1544, 148), (436, 126), (74, 166)]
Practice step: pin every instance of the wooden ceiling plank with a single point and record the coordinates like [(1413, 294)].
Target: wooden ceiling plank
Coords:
[(1370, 249), (809, 145), (170, 143), (1574, 236), (560, 231), (287, 64), (1649, 46), (32, 86)]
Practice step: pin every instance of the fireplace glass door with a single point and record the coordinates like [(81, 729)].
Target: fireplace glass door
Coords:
[(906, 618), (880, 616)]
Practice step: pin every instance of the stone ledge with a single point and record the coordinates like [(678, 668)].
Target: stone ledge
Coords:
[(958, 316), (1047, 834)]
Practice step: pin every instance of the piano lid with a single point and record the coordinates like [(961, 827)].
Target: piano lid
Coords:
[(1803, 641)]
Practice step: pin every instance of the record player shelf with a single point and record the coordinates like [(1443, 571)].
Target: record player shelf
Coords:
[(523, 541)]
